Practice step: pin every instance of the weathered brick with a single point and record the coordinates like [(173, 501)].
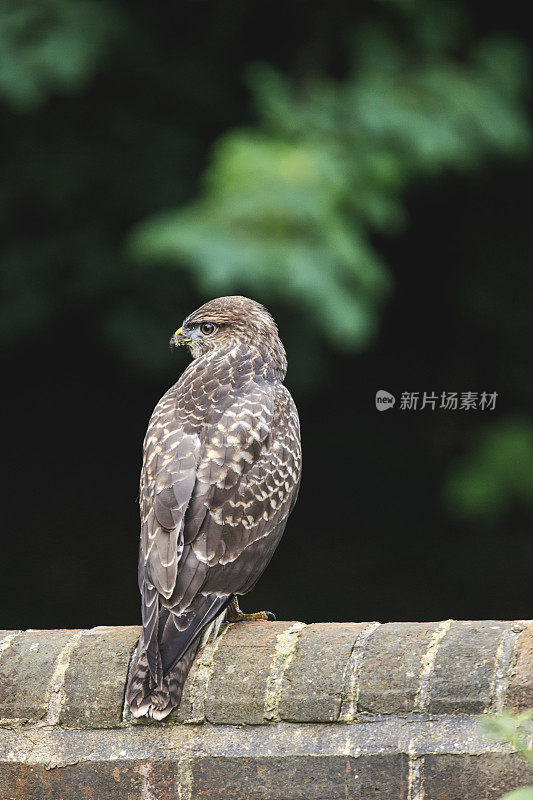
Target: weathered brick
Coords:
[(376, 777), (464, 669), (93, 780), (520, 692), (94, 683), (313, 682), (392, 666), (74, 681), (27, 667), (236, 692), (474, 777)]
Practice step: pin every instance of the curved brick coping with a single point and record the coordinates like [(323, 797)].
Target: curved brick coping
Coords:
[(258, 673), (270, 711)]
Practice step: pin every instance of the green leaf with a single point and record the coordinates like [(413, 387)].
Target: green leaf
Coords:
[(288, 209), (495, 473), (51, 45), (524, 793)]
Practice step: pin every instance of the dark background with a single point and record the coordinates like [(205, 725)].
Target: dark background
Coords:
[(403, 515)]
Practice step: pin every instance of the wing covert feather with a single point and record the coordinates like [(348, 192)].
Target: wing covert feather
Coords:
[(214, 505)]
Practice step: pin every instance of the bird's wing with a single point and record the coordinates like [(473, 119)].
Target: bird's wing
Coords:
[(167, 481), (231, 443), (190, 442), (245, 521), (215, 504), (245, 490)]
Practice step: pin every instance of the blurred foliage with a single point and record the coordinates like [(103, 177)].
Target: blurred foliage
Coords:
[(319, 129), (51, 45), (494, 476), (288, 208), (513, 729)]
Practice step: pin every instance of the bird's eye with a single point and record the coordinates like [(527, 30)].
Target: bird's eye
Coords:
[(208, 328)]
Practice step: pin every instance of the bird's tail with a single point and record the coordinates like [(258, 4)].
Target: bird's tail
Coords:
[(145, 697)]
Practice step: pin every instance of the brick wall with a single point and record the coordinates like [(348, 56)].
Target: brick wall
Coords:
[(270, 711)]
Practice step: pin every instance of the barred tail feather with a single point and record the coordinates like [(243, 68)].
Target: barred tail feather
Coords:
[(156, 691), (145, 697)]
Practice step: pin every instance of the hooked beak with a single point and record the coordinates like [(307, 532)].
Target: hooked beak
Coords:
[(178, 339)]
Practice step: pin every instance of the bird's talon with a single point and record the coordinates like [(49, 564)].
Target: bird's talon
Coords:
[(234, 614)]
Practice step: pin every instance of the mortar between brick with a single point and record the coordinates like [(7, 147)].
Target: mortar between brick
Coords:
[(146, 789), (350, 681), (415, 779), (125, 707), (283, 655), (6, 641), (422, 697), (184, 779), (502, 669), (56, 693), (200, 684)]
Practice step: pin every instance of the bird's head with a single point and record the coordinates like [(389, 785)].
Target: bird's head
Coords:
[(230, 321)]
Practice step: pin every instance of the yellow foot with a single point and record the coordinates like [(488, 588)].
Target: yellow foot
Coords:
[(234, 614)]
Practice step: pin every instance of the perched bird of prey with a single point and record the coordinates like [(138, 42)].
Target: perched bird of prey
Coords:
[(220, 475)]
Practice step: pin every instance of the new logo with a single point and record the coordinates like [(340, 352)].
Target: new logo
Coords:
[(384, 400)]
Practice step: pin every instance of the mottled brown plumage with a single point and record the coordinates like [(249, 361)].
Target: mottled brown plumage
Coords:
[(221, 470)]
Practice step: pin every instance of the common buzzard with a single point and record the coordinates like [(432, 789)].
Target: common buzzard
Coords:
[(220, 476)]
